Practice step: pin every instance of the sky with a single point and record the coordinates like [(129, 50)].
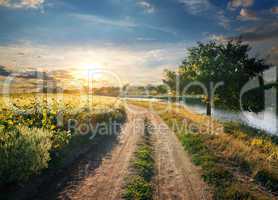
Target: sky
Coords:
[(131, 41)]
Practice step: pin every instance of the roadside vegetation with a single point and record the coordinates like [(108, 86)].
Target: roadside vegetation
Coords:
[(139, 182), (33, 138), (238, 163)]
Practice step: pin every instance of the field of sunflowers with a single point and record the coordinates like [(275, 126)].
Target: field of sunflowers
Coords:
[(38, 130)]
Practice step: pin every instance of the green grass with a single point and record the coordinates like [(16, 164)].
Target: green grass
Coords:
[(143, 163), (138, 189), (138, 185)]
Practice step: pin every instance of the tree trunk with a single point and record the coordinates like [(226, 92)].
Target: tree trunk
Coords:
[(209, 102), (261, 83), (208, 108)]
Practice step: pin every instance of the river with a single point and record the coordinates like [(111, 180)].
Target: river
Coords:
[(266, 121)]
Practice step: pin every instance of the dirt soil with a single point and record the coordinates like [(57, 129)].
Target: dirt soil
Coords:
[(101, 173), (176, 176)]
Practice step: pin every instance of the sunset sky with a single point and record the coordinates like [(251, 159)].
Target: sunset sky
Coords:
[(134, 39)]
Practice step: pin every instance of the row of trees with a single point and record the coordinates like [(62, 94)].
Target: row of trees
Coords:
[(224, 67)]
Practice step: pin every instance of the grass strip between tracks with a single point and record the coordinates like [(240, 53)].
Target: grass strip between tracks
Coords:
[(138, 183)]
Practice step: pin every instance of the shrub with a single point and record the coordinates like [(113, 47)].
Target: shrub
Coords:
[(60, 139), (23, 153)]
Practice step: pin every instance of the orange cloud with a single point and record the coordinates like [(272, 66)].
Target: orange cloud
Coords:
[(240, 3), (247, 15), (274, 10), (21, 3)]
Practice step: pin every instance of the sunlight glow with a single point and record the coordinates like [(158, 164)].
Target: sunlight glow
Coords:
[(87, 71)]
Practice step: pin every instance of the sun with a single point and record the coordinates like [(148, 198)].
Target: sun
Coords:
[(88, 71)]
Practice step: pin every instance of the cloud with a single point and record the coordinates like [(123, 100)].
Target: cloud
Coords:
[(262, 37), (138, 64), (145, 39), (264, 33), (274, 50), (4, 71), (274, 10), (100, 20), (17, 4), (233, 4), (195, 6), (149, 8), (267, 31), (247, 15), (223, 20), (274, 55), (61, 74), (218, 38), (28, 73), (125, 23), (58, 74), (33, 75)]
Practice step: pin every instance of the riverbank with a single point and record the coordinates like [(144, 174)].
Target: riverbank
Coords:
[(236, 164), (265, 121)]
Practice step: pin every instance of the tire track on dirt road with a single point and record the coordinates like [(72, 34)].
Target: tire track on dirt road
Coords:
[(176, 177)]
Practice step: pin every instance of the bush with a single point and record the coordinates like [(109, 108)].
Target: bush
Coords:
[(23, 153), (60, 139)]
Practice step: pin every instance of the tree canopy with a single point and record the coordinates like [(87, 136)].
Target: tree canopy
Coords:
[(213, 62)]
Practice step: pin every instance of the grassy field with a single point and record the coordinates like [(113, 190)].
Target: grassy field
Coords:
[(237, 162), (38, 132)]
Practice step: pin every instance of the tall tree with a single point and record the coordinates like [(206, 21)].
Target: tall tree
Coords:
[(215, 62), (170, 79)]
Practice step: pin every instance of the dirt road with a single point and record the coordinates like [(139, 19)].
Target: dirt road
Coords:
[(106, 181), (100, 174), (176, 177)]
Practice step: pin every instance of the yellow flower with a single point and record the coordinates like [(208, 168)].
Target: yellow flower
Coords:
[(257, 142)]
